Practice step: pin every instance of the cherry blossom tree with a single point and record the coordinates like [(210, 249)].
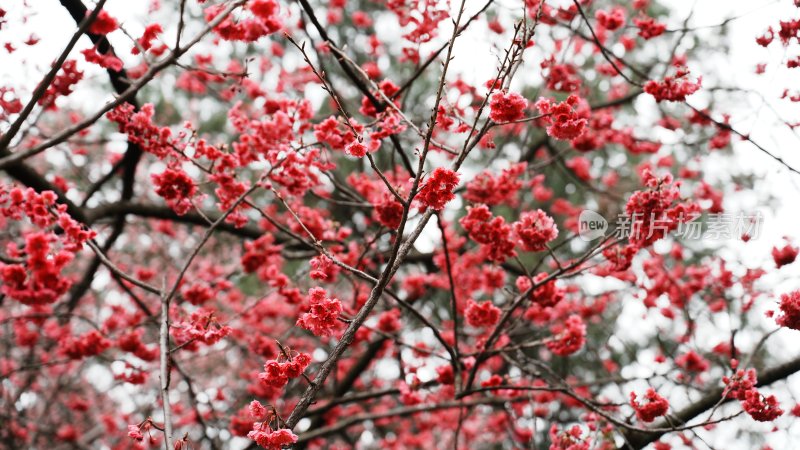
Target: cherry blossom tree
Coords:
[(269, 223)]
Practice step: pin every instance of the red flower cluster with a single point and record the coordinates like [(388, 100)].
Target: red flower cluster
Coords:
[(271, 439), (765, 39), (492, 381), (265, 21), (481, 315), (438, 190), (356, 149), (534, 230), (321, 319), (323, 269), (673, 89), (785, 255), (67, 433), (790, 307), (692, 362), (148, 36), (491, 190), (131, 342), (656, 406), (387, 88), (426, 26), (561, 77), (106, 60), (649, 28), (62, 84), (546, 294), (788, 30), (202, 326), (563, 119), (277, 374), (140, 128), (389, 321), (135, 432), (569, 338), (177, 188), (39, 280), (611, 20), (90, 344), (491, 232), (740, 383), (581, 167), (9, 104), (654, 212), (103, 23), (761, 408), (571, 439), (263, 257), (507, 107), (257, 410), (389, 212)]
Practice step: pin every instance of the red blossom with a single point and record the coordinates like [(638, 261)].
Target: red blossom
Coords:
[(482, 315), (140, 129), (534, 230), (271, 439), (177, 188), (766, 39), (389, 321), (571, 439), (492, 232), (389, 212), (277, 374), (438, 189), (145, 42), (561, 77), (265, 20), (106, 61), (323, 269), (202, 326), (790, 309), (257, 410), (564, 119), (62, 84), (761, 408), (612, 20), (546, 293), (9, 103), (490, 190), (569, 338), (356, 149), (692, 362), (507, 107), (321, 318), (135, 433), (740, 383), (657, 210), (673, 89), (785, 255), (648, 27), (103, 23), (89, 344), (656, 406)]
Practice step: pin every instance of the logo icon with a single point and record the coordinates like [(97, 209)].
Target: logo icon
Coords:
[(591, 225)]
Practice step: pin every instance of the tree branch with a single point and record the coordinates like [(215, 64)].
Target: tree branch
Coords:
[(639, 440)]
